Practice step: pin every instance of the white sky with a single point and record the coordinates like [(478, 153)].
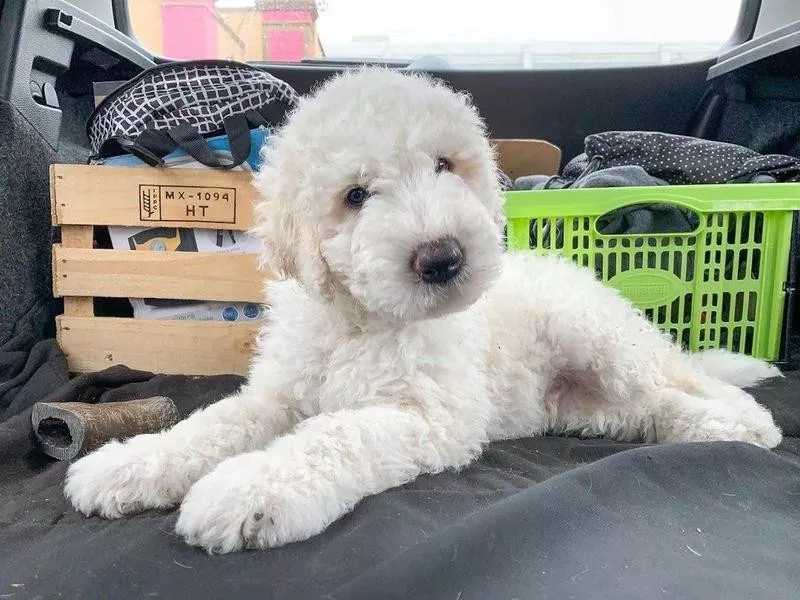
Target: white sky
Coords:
[(420, 21)]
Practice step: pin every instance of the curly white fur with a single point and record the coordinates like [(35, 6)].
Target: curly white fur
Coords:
[(367, 376)]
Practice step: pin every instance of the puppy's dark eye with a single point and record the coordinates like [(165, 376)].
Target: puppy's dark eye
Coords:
[(442, 164), (357, 196)]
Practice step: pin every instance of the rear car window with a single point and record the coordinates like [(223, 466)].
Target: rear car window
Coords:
[(502, 34)]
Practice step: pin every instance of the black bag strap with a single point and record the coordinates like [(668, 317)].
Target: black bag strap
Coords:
[(151, 153), (151, 146), (189, 139), (237, 128)]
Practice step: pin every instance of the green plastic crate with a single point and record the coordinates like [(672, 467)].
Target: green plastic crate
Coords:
[(724, 285)]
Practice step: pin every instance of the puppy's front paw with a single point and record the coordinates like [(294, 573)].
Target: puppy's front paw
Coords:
[(121, 478), (245, 504)]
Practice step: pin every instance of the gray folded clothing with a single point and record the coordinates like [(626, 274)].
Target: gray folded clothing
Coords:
[(652, 218), (648, 218), (622, 176), (534, 182)]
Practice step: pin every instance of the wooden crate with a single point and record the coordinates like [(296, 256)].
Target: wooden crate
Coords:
[(85, 197)]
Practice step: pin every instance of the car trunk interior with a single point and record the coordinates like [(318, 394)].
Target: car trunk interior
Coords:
[(410, 542)]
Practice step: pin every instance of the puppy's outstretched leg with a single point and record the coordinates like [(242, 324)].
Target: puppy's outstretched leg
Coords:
[(664, 399), (640, 388), (156, 470), (681, 417), (618, 376), (671, 416), (305, 480)]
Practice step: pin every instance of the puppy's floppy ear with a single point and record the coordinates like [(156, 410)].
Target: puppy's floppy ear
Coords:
[(276, 225), (311, 269), (290, 244)]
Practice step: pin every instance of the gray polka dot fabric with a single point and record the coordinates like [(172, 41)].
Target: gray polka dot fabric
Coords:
[(681, 159)]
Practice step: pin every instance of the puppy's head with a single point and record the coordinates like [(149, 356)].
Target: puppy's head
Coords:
[(382, 188)]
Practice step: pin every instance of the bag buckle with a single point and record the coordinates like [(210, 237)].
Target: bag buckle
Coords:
[(140, 152)]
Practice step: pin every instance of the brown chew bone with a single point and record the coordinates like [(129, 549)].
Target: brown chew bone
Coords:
[(67, 429)]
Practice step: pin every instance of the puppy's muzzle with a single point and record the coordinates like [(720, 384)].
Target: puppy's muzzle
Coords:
[(439, 261)]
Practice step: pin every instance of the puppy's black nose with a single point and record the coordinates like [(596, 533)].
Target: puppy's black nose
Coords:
[(439, 261)]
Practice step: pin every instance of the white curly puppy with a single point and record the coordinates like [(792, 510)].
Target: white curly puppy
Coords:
[(404, 339)]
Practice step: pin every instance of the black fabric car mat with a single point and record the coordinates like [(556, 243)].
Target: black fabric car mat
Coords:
[(545, 517)]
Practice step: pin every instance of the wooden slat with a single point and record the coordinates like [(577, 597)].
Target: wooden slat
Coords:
[(169, 347), (53, 217), (75, 236), (148, 197), (169, 275)]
